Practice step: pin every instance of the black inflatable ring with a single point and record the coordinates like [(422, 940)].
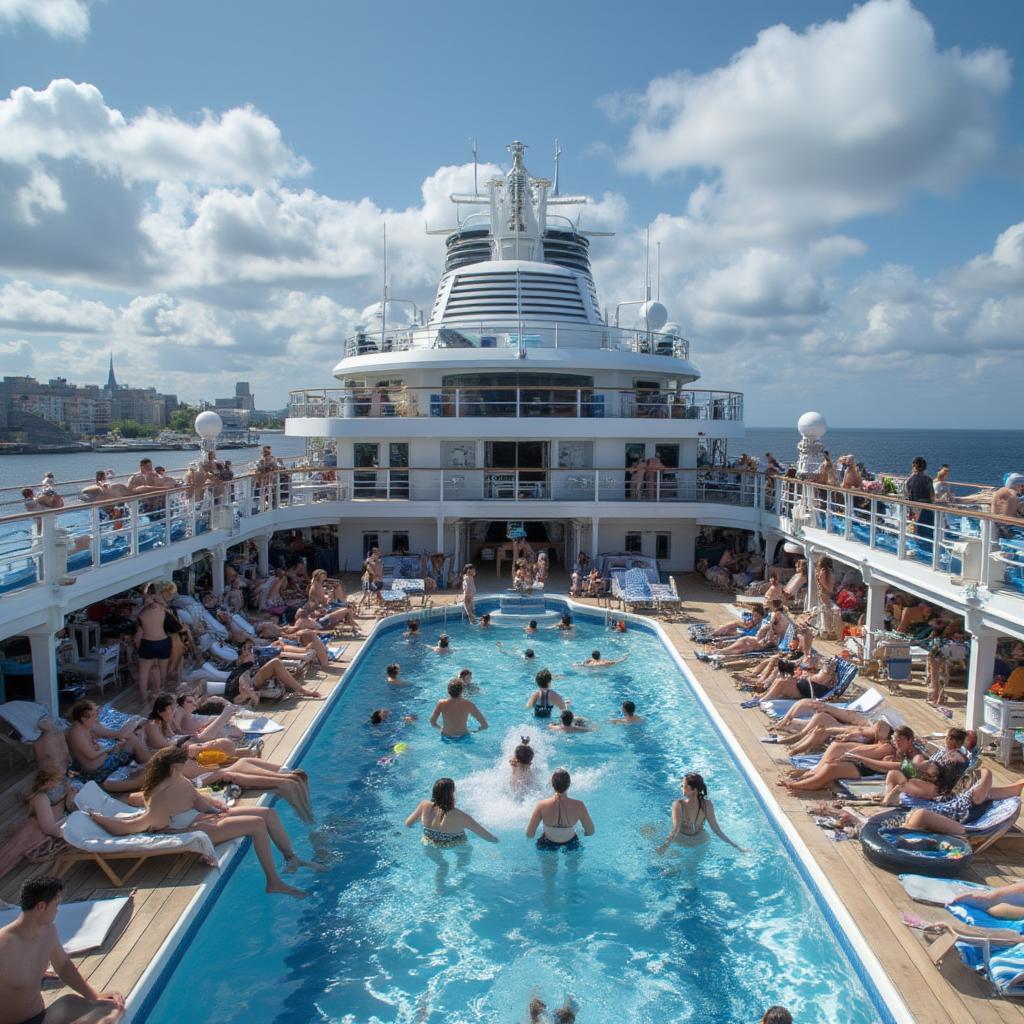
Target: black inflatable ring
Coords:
[(886, 843)]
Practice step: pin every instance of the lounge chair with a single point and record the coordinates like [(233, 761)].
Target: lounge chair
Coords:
[(758, 654), (413, 588), (20, 726), (998, 822), (396, 600), (636, 591), (999, 960), (89, 842)]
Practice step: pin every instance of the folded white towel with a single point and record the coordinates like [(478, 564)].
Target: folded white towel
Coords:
[(24, 715)]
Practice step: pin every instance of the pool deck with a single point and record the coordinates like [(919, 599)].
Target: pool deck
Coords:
[(873, 897)]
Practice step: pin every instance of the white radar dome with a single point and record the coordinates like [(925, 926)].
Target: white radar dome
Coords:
[(654, 314), (209, 424), (672, 329), (812, 424)]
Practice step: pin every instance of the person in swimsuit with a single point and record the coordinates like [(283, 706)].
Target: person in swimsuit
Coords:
[(568, 722), (853, 761), (469, 592), (522, 766), (543, 699), (950, 816), (596, 661), (173, 804), (93, 762), (629, 715), (690, 813), (452, 715), (393, 675), (559, 815), (412, 631), (444, 825), (443, 645), (159, 731), (530, 628), (27, 945), (153, 644), (564, 625)]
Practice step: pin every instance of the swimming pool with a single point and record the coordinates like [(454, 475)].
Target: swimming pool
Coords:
[(388, 934)]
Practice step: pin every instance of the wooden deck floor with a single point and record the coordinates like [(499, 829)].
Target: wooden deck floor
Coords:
[(950, 995)]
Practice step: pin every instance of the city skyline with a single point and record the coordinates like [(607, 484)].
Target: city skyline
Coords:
[(831, 190)]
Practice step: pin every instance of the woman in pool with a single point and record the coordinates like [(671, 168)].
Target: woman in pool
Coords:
[(564, 624), (173, 804), (443, 645), (559, 814), (443, 823), (543, 699), (689, 815)]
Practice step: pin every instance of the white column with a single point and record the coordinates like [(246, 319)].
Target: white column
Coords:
[(44, 668), (218, 559), (979, 674), (440, 534), (263, 553), (595, 524), (874, 618), (812, 583)]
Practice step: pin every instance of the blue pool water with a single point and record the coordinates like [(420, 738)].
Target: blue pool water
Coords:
[(388, 934)]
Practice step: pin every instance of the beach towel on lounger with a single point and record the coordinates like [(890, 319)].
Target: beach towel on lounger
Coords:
[(81, 832), (24, 716), (83, 925)]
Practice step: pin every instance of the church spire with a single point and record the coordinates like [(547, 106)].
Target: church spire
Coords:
[(111, 379)]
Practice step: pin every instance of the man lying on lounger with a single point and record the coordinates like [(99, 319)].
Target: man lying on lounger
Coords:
[(27, 945), (772, 630), (854, 761)]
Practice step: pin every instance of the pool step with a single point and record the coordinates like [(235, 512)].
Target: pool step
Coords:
[(521, 604)]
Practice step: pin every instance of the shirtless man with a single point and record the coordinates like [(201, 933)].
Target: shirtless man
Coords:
[(27, 945), (93, 762), (153, 644), (393, 675), (454, 713), (568, 722), (559, 815), (596, 661), (629, 715), (145, 479)]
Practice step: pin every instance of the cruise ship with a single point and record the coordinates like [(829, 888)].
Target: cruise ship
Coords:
[(518, 408)]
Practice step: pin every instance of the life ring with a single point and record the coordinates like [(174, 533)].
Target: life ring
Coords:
[(891, 846)]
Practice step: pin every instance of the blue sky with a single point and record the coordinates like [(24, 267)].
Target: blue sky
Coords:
[(836, 188)]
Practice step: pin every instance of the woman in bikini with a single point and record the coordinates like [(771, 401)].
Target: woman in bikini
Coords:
[(543, 699), (689, 815), (39, 838), (444, 825), (559, 815), (173, 804)]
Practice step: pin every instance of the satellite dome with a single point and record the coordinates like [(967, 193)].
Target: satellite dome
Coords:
[(672, 329), (209, 424), (654, 315), (812, 424)]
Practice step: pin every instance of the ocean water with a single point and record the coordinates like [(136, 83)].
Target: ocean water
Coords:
[(974, 456), (396, 932)]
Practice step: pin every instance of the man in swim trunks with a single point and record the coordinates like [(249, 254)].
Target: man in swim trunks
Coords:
[(27, 945), (393, 675), (629, 715), (454, 714), (596, 661), (559, 814), (92, 761), (568, 722)]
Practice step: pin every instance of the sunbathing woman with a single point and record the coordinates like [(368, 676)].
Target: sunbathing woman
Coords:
[(854, 761), (49, 798), (817, 734), (747, 626), (804, 661), (950, 816), (204, 727), (160, 731), (793, 591), (689, 815), (924, 782), (249, 680), (790, 686), (771, 632), (173, 804)]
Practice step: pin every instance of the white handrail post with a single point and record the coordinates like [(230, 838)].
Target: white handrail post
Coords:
[(936, 536), (848, 514), (47, 537), (517, 401), (516, 485), (901, 544), (442, 485), (873, 523), (657, 485), (95, 522), (597, 485), (458, 394), (579, 399), (133, 511), (167, 518), (987, 529)]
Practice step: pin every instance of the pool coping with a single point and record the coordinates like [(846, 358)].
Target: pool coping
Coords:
[(885, 996)]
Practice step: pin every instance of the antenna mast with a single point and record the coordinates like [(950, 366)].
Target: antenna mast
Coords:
[(659, 273), (384, 297), (558, 157), (476, 189)]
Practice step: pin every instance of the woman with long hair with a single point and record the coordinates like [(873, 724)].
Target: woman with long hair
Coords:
[(173, 804), (690, 813), (160, 731), (39, 838), (444, 825)]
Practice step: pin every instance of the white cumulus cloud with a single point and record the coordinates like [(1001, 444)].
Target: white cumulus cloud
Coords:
[(57, 17)]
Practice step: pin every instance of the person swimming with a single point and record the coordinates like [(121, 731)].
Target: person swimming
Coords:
[(596, 661), (690, 813), (485, 620), (444, 825), (412, 630), (443, 645), (629, 715), (543, 699), (522, 766), (569, 722), (564, 624), (393, 675), (559, 815), (531, 627)]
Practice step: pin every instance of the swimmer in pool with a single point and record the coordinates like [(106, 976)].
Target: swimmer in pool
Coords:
[(530, 628), (378, 716), (629, 715), (451, 715), (443, 645), (444, 825), (528, 655), (485, 620), (468, 684), (522, 766), (689, 815), (596, 661), (412, 631), (569, 722), (559, 814), (543, 699), (393, 675), (564, 624)]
